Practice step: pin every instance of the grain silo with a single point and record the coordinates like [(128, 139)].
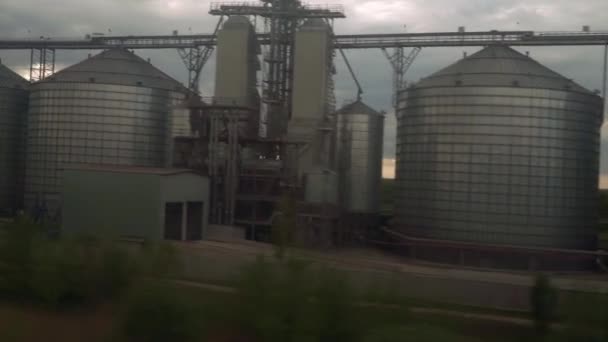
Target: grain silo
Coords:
[(359, 157), (13, 110), (312, 90), (237, 63), (236, 70), (497, 151), (113, 108)]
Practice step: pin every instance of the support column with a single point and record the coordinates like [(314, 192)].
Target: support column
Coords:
[(604, 75), (184, 220)]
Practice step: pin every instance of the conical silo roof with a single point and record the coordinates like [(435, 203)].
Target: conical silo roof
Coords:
[(117, 66), (500, 65), (10, 79), (236, 22), (357, 107)]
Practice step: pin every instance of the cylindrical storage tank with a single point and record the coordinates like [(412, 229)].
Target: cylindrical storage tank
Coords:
[(237, 62), (113, 108), (497, 149), (359, 157), (321, 187), (13, 110)]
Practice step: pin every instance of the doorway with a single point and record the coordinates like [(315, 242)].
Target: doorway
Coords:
[(173, 221), (194, 221)]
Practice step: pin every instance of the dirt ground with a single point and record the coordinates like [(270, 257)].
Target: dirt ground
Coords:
[(24, 323)]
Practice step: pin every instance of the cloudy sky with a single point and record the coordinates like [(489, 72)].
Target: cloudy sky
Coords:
[(76, 18)]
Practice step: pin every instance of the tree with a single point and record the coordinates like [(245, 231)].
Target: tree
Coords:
[(284, 225), (544, 303)]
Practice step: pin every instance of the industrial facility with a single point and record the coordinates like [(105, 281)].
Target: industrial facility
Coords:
[(497, 155)]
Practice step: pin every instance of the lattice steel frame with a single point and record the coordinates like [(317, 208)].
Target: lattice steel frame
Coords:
[(401, 62), (196, 57), (42, 63)]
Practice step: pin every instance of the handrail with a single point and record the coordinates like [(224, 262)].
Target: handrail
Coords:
[(351, 41)]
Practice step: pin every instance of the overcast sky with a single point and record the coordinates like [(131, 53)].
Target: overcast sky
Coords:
[(76, 18)]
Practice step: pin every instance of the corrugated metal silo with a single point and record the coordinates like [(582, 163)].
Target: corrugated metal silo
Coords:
[(13, 110), (113, 108), (498, 149), (360, 134), (321, 186)]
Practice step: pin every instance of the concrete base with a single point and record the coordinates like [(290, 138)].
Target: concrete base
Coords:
[(498, 260)]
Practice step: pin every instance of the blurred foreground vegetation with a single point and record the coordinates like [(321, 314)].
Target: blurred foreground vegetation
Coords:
[(35, 268), (130, 296)]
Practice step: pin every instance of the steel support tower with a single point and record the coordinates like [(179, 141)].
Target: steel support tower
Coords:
[(400, 62), (42, 63), (195, 58), (217, 126)]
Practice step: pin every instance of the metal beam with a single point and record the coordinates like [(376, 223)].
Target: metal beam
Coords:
[(447, 39), (128, 42), (359, 41), (261, 9)]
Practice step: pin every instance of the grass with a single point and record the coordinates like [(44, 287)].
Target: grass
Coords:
[(455, 328), (216, 308), (25, 323)]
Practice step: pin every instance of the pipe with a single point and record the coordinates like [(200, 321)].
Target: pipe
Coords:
[(352, 73), (604, 75)]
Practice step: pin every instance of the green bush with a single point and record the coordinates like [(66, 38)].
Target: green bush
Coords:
[(544, 303), (334, 299), (287, 301), (60, 272), (16, 248), (60, 275), (159, 259), (71, 272), (261, 312), (154, 314), (585, 317), (282, 231), (116, 271)]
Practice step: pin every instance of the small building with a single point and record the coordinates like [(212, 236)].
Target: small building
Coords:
[(134, 202)]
